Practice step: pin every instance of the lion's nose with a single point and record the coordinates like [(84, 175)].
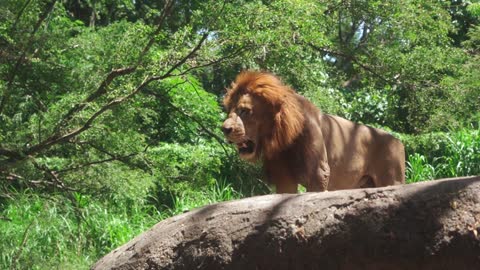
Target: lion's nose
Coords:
[(226, 130)]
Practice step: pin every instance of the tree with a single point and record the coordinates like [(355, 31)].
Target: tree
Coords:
[(68, 88), (403, 49)]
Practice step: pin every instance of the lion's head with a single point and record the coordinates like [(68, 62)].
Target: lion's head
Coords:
[(264, 116)]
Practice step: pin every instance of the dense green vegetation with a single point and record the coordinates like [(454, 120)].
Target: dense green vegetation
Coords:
[(110, 113)]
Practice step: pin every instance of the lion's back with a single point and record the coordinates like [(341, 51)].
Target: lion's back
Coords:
[(355, 151)]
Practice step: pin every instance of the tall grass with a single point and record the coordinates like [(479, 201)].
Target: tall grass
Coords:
[(452, 154), (418, 169), (463, 153), (61, 233), (187, 200)]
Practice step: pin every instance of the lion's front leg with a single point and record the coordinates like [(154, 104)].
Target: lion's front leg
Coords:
[(286, 187), (319, 181), (284, 183), (279, 174)]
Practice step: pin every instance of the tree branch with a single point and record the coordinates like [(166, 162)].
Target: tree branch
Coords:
[(184, 59), (54, 139), (56, 182), (204, 128), (124, 159), (102, 89), (19, 15), (214, 62), (13, 73), (354, 59), (166, 11), (10, 154), (113, 158), (57, 137)]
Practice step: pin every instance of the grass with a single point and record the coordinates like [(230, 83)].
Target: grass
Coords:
[(188, 200), (418, 169), (61, 233), (55, 233), (454, 154)]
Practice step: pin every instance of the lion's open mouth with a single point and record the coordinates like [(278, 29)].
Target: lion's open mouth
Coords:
[(246, 147)]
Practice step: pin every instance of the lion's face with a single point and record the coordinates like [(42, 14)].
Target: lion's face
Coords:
[(245, 125), (264, 115)]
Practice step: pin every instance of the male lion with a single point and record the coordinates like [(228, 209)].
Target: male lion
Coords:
[(298, 144)]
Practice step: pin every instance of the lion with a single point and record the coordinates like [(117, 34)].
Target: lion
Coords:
[(297, 144)]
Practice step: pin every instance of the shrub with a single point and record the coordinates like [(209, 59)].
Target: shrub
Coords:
[(437, 155)]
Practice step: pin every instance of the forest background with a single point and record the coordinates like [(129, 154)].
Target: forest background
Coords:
[(110, 109)]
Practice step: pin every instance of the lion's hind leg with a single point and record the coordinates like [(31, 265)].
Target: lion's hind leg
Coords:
[(392, 173), (366, 182), (286, 187)]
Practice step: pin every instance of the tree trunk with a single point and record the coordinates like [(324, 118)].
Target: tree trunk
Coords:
[(428, 225)]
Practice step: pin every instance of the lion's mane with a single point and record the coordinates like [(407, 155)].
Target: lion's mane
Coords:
[(288, 119)]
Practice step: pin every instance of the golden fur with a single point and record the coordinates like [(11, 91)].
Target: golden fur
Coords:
[(267, 120)]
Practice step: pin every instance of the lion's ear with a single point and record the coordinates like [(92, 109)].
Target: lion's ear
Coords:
[(228, 96), (227, 99), (288, 124)]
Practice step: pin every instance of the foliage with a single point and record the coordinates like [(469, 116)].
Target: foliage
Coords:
[(418, 169), (57, 233), (369, 106), (440, 155), (400, 48)]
